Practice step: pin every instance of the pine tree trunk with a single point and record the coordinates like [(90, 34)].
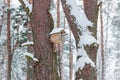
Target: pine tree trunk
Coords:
[(9, 44), (91, 11), (70, 58), (59, 46), (102, 41), (0, 28), (42, 24)]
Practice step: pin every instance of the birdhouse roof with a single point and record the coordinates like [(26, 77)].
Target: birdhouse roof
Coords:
[(57, 30)]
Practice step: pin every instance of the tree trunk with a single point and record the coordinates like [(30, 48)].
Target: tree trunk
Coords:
[(9, 44), (59, 46), (42, 24), (70, 20), (70, 57), (58, 13), (102, 41), (0, 28), (91, 11)]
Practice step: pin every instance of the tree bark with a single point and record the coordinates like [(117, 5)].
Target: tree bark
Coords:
[(42, 24), (0, 28), (91, 11), (70, 20), (9, 44)]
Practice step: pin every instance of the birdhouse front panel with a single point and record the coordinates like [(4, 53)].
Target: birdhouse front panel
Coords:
[(56, 38)]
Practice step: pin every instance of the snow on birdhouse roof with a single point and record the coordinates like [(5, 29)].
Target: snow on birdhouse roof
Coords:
[(56, 30)]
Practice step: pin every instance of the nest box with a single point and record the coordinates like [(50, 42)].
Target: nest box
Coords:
[(57, 36)]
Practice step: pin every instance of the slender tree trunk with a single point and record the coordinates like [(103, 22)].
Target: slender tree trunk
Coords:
[(9, 44), (59, 46), (42, 25), (102, 41), (0, 28), (58, 13), (70, 59)]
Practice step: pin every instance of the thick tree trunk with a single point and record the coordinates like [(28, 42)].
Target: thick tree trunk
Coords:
[(42, 24), (91, 11)]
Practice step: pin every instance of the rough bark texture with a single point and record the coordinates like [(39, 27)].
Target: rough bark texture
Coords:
[(91, 9), (58, 13), (42, 24), (9, 45)]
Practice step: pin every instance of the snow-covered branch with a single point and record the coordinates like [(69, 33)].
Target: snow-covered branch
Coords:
[(30, 43)]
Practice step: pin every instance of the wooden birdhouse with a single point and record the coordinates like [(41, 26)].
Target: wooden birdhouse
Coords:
[(57, 36)]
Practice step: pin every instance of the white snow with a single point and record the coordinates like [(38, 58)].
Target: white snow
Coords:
[(56, 30), (27, 43), (87, 39), (15, 3), (35, 59), (84, 59), (29, 55), (3, 39), (28, 5), (81, 19), (99, 1)]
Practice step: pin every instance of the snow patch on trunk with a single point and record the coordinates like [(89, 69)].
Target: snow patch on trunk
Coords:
[(80, 17), (84, 59)]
